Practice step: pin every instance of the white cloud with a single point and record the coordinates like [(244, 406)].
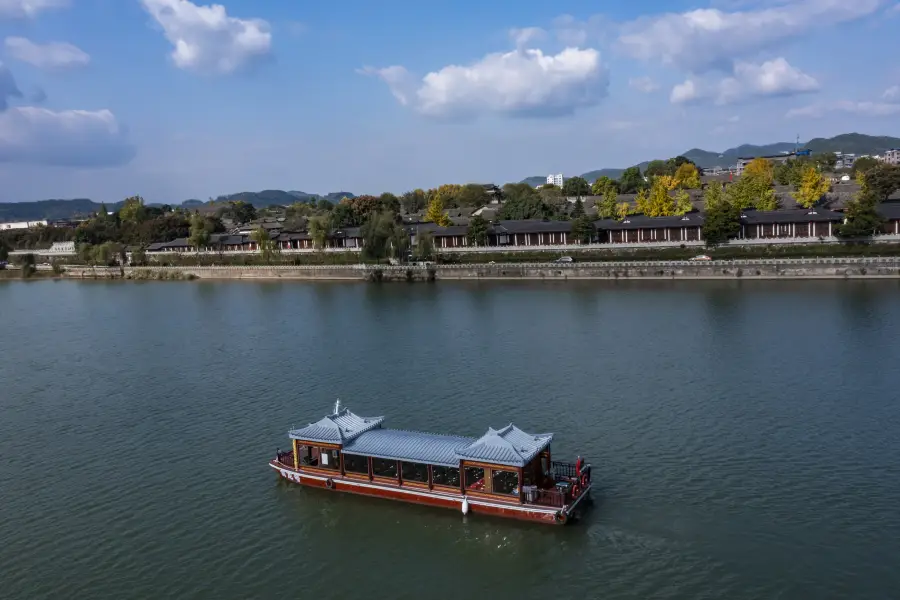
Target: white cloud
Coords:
[(685, 93), (28, 9), (643, 84), (865, 109), (8, 87), (55, 55), (772, 78), (892, 94), (524, 36), (72, 138), (572, 32), (206, 39), (516, 83), (705, 38)]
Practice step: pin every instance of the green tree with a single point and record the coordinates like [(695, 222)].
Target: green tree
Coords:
[(882, 181), (138, 257), (86, 253), (324, 205), (264, 242), (683, 204), (319, 228), (389, 202), (199, 237), (342, 216), (424, 245), (656, 168), (103, 254), (526, 207), (379, 235), (825, 160), (631, 181), (576, 187), (436, 212), (863, 164), (132, 210), (478, 231), (583, 230), (862, 218), (578, 209), (413, 201), (606, 209), (813, 186), (602, 184), (238, 211), (754, 189), (27, 262), (721, 223), (713, 196), (473, 195), (4, 251)]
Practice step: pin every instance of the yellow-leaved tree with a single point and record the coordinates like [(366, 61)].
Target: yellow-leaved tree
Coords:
[(660, 203), (760, 167), (683, 204), (435, 213), (687, 177), (642, 202), (813, 185), (623, 210)]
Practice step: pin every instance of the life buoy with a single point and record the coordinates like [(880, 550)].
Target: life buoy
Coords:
[(585, 479), (560, 518), (329, 483)]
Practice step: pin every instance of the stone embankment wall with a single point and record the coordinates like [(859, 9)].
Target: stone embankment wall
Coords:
[(804, 268)]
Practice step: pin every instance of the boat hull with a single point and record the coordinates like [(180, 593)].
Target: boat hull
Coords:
[(478, 506)]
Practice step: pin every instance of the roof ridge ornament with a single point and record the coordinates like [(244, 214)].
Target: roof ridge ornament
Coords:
[(337, 406)]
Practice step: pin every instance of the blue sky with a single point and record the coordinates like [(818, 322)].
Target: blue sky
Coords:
[(174, 99)]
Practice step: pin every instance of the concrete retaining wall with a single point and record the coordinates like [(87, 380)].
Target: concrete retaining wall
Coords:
[(804, 268)]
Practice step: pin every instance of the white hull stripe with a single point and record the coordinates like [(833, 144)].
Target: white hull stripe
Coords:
[(294, 476)]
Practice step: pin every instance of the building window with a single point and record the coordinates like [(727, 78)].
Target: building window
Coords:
[(382, 467), (414, 472), (448, 476), (356, 464), (474, 478), (505, 482)]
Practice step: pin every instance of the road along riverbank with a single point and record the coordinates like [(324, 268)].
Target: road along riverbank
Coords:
[(803, 268)]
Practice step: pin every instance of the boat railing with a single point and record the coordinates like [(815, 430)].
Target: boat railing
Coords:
[(551, 497), (563, 469), (285, 458)]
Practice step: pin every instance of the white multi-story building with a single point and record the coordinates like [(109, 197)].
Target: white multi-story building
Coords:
[(22, 225), (556, 180), (892, 156)]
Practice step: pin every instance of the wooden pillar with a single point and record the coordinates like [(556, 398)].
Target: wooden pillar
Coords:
[(521, 485), (296, 454)]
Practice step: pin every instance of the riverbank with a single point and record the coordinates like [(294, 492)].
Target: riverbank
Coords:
[(802, 268)]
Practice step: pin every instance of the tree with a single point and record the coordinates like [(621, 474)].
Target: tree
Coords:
[(623, 210), (138, 257), (478, 231), (389, 202), (436, 212), (683, 204), (576, 187), (714, 196), (264, 242), (760, 167), (4, 251), (631, 180), (812, 187), (656, 168), (826, 160), (606, 209), (862, 218), (363, 207), (602, 184), (424, 245), (583, 230), (103, 254), (238, 211), (687, 177), (526, 207), (379, 234), (754, 189), (642, 203), (319, 229), (863, 164), (86, 254), (472, 194), (199, 237), (342, 216), (882, 181), (783, 172), (721, 223), (413, 201), (132, 210), (551, 194), (28, 268), (659, 203), (578, 209)]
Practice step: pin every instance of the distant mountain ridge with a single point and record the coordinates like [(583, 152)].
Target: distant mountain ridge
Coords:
[(51, 210), (848, 143)]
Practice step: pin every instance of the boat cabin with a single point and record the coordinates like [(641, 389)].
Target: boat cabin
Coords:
[(503, 466)]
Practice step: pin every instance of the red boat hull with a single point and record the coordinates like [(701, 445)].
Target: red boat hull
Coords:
[(480, 506)]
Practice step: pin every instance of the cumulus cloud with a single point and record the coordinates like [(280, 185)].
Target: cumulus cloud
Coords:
[(8, 87), (892, 94), (772, 78), (71, 138), (643, 84), (865, 109), (28, 9), (701, 39), (524, 36), (55, 55), (517, 83), (207, 40)]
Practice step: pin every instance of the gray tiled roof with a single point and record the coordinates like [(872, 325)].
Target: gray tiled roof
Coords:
[(412, 446), (338, 428), (793, 215), (507, 446)]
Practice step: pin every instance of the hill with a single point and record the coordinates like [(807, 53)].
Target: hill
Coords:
[(848, 143)]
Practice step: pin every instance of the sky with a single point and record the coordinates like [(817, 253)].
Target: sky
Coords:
[(173, 99)]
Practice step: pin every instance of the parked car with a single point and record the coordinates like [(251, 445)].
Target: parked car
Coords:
[(702, 257), (564, 259)]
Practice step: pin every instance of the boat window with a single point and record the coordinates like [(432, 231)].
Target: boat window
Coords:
[(505, 482), (309, 456), (384, 468), (474, 478), (329, 459), (414, 472), (445, 476), (356, 464)]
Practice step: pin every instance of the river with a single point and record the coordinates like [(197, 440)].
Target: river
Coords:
[(744, 437)]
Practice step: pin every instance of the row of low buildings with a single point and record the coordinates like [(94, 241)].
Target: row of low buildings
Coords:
[(797, 224)]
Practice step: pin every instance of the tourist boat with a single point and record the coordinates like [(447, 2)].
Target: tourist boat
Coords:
[(506, 472)]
